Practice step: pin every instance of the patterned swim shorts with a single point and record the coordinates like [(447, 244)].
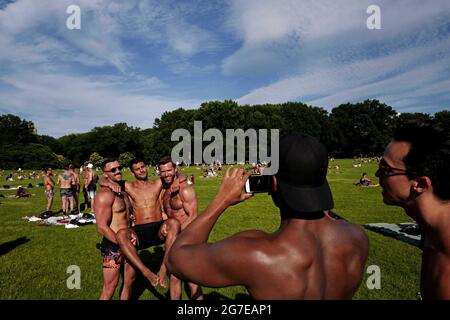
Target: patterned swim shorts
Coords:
[(112, 258), (49, 194)]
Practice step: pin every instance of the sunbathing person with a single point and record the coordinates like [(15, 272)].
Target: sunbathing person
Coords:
[(22, 193), (365, 181)]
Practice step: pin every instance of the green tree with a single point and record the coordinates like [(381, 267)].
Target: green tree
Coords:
[(360, 129), (405, 117), (95, 159), (62, 161), (53, 143), (15, 130), (125, 158), (29, 156), (443, 117)]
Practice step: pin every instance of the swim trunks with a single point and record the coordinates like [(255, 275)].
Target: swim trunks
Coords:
[(49, 194), (66, 192), (112, 258), (148, 234), (91, 190)]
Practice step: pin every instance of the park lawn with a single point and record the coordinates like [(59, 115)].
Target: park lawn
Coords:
[(36, 267)]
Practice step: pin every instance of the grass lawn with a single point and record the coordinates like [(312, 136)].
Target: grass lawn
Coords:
[(35, 266)]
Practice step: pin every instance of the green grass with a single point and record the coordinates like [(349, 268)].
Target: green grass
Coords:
[(36, 269)]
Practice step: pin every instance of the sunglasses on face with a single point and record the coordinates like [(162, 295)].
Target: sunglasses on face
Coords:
[(113, 170), (385, 170)]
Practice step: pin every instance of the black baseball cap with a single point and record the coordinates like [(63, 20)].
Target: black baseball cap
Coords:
[(301, 177)]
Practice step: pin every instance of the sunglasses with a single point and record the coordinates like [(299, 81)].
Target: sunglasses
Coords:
[(385, 170), (113, 170)]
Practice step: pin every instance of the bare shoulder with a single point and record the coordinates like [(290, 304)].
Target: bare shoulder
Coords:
[(358, 234), (262, 253), (157, 182), (251, 245), (350, 234), (128, 185), (104, 195), (186, 188)]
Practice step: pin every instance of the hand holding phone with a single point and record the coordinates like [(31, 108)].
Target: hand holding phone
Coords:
[(257, 184)]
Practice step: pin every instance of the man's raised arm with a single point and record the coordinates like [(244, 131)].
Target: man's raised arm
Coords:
[(115, 187), (210, 264)]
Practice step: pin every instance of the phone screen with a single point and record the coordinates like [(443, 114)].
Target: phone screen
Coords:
[(259, 184)]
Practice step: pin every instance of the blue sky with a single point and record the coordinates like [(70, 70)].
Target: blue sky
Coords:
[(133, 60)]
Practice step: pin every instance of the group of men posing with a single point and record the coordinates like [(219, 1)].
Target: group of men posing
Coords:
[(70, 185), (160, 210), (314, 254)]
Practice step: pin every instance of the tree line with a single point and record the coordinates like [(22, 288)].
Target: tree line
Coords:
[(352, 129)]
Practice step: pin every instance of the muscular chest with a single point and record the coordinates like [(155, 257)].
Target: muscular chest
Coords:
[(172, 201), (142, 198), (120, 205)]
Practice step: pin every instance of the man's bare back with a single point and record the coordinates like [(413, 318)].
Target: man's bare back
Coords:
[(65, 180), (334, 274), (306, 258)]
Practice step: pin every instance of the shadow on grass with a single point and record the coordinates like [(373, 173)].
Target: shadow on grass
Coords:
[(153, 261), (8, 246)]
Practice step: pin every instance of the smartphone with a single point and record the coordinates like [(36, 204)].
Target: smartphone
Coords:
[(257, 184)]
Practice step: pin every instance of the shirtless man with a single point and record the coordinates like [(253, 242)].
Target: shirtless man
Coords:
[(75, 187), (49, 186), (90, 183), (181, 205), (150, 228), (414, 174), (65, 181), (313, 255), (113, 214), (84, 174)]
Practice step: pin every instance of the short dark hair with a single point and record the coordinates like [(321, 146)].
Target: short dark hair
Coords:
[(165, 160), (429, 154), (106, 161), (135, 161)]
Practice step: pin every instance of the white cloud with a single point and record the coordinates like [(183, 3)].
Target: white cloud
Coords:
[(61, 104), (325, 55), (43, 64), (35, 32), (385, 77), (285, 32)]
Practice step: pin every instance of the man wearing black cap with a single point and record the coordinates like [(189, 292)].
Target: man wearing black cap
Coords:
[(313, 255)]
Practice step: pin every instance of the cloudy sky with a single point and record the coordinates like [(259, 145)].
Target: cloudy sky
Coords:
[(133, 60)]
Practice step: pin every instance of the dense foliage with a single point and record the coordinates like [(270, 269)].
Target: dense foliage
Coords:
[(360, 129)]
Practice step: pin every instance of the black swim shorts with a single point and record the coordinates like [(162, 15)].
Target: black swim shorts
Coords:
[(148, 234)]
